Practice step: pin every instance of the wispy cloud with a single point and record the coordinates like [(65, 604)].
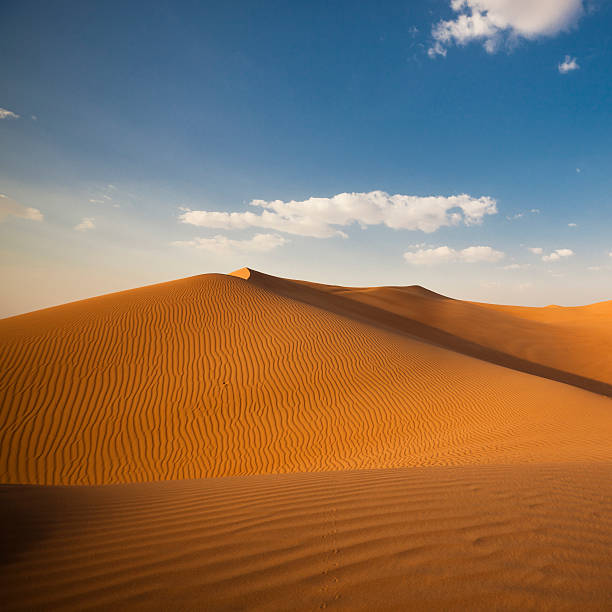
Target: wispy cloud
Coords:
[(87, 223), (536, 250), (445, 254), (516, 266), (322, 217), (521, 214), (260, 243), (7, 114), (572, 225), (105, 195), (495, 22), (567, 65), (10, 207)]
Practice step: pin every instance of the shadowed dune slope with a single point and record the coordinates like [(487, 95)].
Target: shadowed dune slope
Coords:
[(216, 375), (529, 537), (572, 345)]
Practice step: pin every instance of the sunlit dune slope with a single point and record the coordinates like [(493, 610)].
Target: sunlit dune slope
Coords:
[(572, 345), (219, 375)]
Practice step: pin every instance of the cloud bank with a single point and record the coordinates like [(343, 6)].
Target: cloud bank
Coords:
[(322, 217), (445, 254), (494, 22), (260, 243), (9, 207)]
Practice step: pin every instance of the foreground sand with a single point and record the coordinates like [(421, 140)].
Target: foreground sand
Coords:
[(532, 537), (384, 448)]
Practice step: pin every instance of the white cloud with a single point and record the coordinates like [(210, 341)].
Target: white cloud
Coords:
[(321, 217), (572, 225), (9, 207), (567, 65), (610, 253), (494, 22), (535, 211), (7, 114), (445, 254), (594, 268), (557, 255), (260, 243), (441, 254), (86, 223), (475, 254)]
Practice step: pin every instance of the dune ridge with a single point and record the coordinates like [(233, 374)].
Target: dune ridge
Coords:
[(218, 375)]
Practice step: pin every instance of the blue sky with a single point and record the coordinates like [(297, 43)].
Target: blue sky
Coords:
[(125, 125)]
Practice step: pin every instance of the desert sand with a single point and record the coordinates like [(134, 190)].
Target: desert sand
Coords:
[(249, 442)]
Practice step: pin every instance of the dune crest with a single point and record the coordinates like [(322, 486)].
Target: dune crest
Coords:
[(244, 273)]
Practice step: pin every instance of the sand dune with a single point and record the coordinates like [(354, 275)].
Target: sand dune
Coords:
[(216, 375), (448, 538), (381, 449)]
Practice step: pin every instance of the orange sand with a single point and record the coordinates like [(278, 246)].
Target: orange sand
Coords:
[(247, 375)]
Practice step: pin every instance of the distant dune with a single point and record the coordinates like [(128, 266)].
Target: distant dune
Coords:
[(316, 400)]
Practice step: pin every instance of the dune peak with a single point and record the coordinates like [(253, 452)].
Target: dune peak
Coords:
[(242, 273)]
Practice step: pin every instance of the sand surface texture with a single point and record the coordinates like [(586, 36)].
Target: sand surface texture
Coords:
[(386, 448)]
